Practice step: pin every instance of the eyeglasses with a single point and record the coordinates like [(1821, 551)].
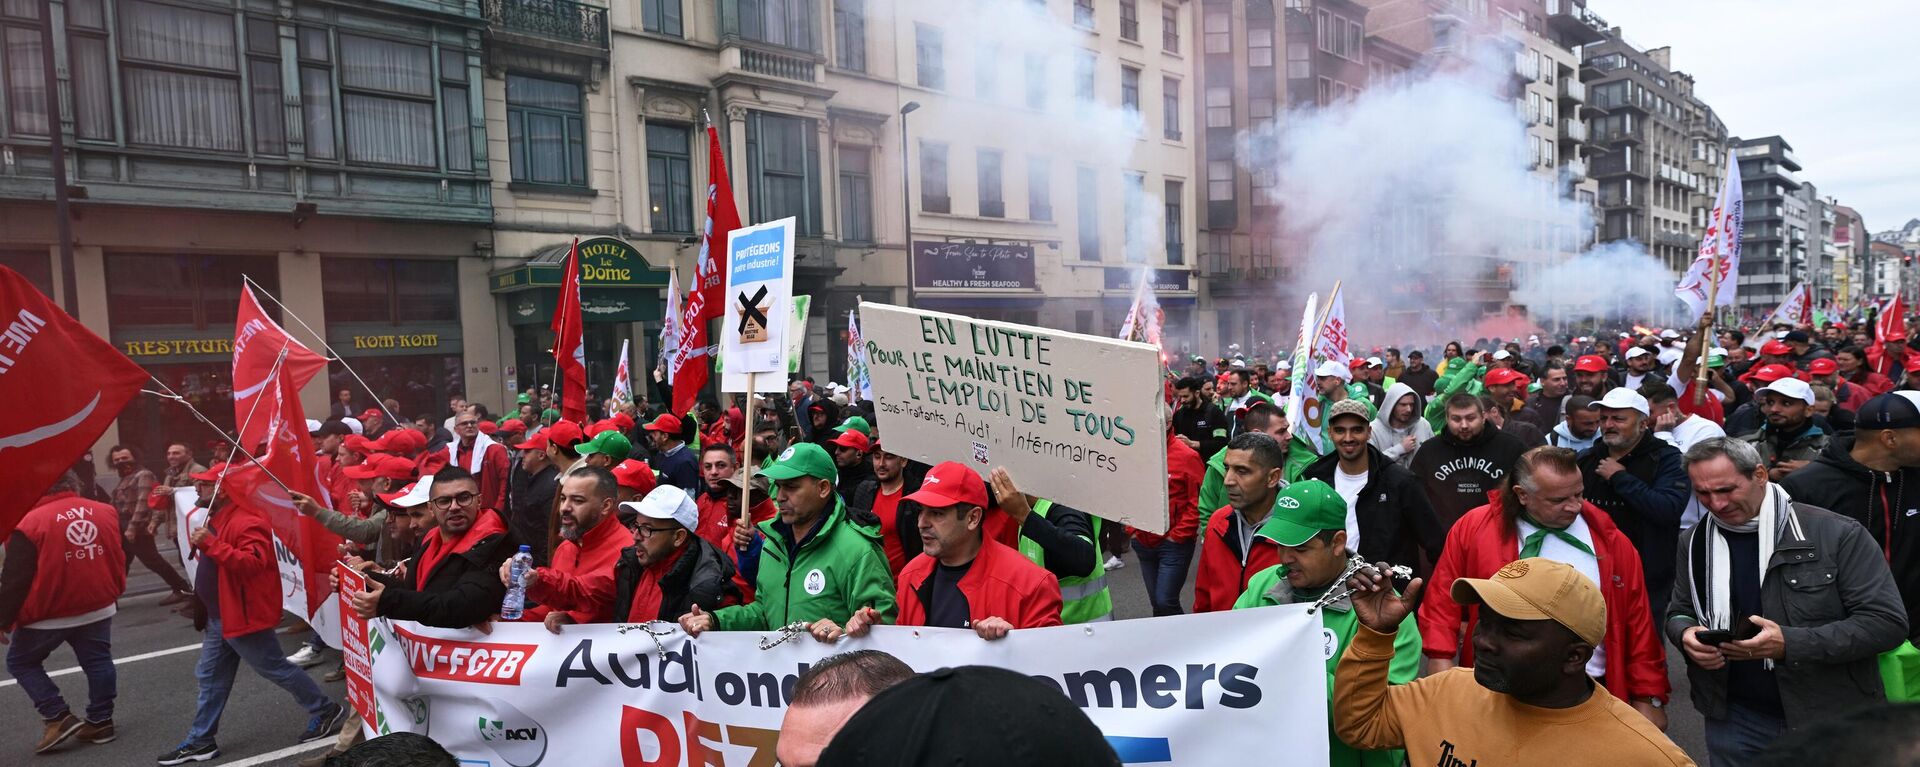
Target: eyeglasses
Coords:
[(464, 424), (450, 501), (647, 532)]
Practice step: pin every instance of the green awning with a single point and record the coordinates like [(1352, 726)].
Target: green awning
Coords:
[(605, 262)]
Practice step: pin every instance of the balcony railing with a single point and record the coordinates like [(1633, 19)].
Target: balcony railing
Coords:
[(1526, 67), (1675, 239), (765, 62), (1571, 89), (1573, 130), (561, 20), (1576, 169), (1637, 199)]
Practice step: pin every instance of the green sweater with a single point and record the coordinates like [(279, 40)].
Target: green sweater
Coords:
[(838, 569), (1269, 587), (1461, 377)]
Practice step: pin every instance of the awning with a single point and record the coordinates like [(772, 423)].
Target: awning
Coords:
[(605, 262)]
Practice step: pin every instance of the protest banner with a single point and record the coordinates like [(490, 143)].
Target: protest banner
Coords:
[(759, 306), (293, 576), (1077, 419), (1206, 689), (354, 655)]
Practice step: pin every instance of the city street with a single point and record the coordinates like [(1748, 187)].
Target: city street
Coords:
[(156, 651)]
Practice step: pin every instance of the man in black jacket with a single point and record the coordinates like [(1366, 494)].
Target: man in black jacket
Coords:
[(1867, 477), (668, 570), (1199, 423), (1388, 517), (530, 491), (455, 580), (1465, 461), (1639, 480)]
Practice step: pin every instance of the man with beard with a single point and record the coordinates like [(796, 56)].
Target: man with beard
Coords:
[(1640, 368), (534, 482), (1263, 417), (1418, 375), (1640, 482), (1465, 461), (1545, 408), (1230, 553), (578, 587), (850, 453), (1239, 392), (1803, 350), (1198, 423), (453, 581), (1592, 376), (677, 465), (482, 457), (1789, 438), (716, 525), (1579, 428), (1539, 623), (1506, 420), (668, 569), (1399, 429), (893, 478), (1387, 515)]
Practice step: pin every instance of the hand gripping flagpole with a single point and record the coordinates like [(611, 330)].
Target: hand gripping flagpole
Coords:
[(1706, 326), (332, 356)]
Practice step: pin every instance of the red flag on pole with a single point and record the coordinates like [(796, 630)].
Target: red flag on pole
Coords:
[(569, 352), (62, 386), (690, 365), (287, 455), (1891, 325), (257, 341)]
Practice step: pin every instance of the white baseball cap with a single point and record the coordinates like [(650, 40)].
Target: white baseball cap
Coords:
[(1791, 387), (1623, 398), (1636, 351), (667, 502), (354, 425), (416, 494), (1335, 369), (1669, 355), (1375, 362), (1502, 354), (1284, 365), (1669, 334)]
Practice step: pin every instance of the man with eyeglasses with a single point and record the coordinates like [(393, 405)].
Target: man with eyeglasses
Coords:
[(452, 582), (668, 570), (482, 457), (578, 586)]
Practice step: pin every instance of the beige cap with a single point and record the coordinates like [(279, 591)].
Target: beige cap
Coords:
[(1537, 589)]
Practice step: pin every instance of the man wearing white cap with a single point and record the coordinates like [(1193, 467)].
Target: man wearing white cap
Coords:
[(1640, 367), (1789, 438), (668, 569), (1640, 482)]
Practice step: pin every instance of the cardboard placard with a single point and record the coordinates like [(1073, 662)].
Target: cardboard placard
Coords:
[(758, 310)]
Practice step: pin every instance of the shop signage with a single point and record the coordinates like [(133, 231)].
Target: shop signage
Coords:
[(604, 262), (384, 340), (417, 341), (1164, 280), (973, 266), (535, 307), (177, 347)]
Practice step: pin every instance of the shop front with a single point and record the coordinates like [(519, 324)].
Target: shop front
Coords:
[(397, 322), (985, 280), (620, 302), (1172, 288)]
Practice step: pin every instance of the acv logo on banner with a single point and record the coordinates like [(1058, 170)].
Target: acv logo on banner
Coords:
[(515, 736)]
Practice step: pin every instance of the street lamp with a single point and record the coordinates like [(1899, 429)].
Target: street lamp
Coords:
[(906, 199)]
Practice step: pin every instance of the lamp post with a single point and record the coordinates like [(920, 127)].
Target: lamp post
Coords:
[(906, 192)]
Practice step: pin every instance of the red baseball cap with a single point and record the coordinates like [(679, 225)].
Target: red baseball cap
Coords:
[(358, 444), (535, 442), (599, 426), (951, 484), (369, 413), (667, 422), (623, 420), (1771, 373), (1591, 363), (1823, 367), (513, 426), (1913, 364), (1501, 376), (380, 465), (1776, 348), (853, 439), (404, 440), (489, 428), (212, 474), (635, 475), (564, 433)]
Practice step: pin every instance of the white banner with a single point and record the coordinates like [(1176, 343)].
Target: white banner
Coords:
[(1719, 246), (1207, 689), (1331, 343), (293, 586), (1077, 419), (757, 305), (1796, 309), (622, 378), (1303, 401)]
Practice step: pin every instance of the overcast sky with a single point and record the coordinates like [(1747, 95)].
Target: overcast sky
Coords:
[(1835, 78)]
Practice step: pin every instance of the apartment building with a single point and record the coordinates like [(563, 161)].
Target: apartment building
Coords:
[(1774, 239)]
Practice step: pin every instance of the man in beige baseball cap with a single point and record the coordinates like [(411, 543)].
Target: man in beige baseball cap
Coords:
[(1527, 700)]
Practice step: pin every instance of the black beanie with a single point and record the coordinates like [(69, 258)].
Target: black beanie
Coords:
[(971, 715)]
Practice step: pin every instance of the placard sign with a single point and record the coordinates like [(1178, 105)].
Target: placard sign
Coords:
[(758, 302), (1077, 419)]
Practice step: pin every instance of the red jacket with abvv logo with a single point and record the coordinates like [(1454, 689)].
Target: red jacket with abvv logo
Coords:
[(1224, 568), (70, 548), (999, 584)]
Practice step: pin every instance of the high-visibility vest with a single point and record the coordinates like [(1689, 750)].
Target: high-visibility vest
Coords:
[(1082, 599)]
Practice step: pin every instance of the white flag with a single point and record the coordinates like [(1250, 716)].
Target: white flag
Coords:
[(1303, 403), (857, 378), (1143, 318), (1331, 343), (670, 326), (1719, 247), (1795, 309), (622, 381)]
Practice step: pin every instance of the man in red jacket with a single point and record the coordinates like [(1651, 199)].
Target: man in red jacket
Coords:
[(962, 578), (1164, 558), (1539, 513), (482, 457), (238, 586), (1229, 551), (64, 571), (578, 587)]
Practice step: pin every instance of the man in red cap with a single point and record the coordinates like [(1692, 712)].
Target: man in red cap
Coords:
[(373, 423), (511, 431), (377, 474), (851, 452), (561, 440), (1592, 376), (677, 465), (482, 457), (1776, 352), (534, 482), (636, 479), (578, 587), (1846, 396), (962, 578), (1504, 386)]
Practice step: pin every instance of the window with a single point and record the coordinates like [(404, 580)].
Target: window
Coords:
[(87, 53), (386, 102), (856, 194), (661, 16), (986, 71), (1036, 81), (263, 86), (1219, 107), (454, 110), (670, 177), (1170, 108), (179, 71), (933, 178), (1299, 61), (784, 23), (196, 291), (1259, 46), (315, 52), (1130, 20), (1087, 193), (1260, 111), (390, 291), (1169, 29), (1083, 67), (546, 132), (1134, 199), (1219, 180), (783, 166), (1218, 30), (992, 204), (927, 47), (850, 34), (1176, 224), (1130, 90), (1039, 189), (1083, 13)]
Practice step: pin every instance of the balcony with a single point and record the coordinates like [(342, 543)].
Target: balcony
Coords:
[(1619, 163), (1675, 239), (773, 63), (1632, 133), (1571, 89), (1572, 19), (1526, 67), (561, 21), (1576, 170), (1617, 200), (1573, 130)]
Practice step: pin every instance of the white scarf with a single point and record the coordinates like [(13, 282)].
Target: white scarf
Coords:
[(480, 444), (1774, 509)]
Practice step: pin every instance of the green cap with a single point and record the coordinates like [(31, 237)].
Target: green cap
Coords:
[(1304, 509), (1717, 361), (803, 460), (549, 415), (524, 398), (856, 423), (610, 443)]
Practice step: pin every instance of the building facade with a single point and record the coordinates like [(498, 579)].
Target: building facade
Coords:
[(1774, 238)]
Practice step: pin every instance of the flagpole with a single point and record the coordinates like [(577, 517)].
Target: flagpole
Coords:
[(171, 395), (746, 455), (241, 428), (333, 356), (1706, 327)]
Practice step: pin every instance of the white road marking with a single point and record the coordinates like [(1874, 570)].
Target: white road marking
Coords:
[(274, 756), (117, 661)]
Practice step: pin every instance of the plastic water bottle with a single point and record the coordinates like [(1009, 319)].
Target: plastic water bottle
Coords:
[(517, 585)]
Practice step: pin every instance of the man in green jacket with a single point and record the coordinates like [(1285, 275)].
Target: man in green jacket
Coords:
[(1309, 523), (815, 562)]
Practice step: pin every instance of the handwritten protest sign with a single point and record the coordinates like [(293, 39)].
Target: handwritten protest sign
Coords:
[(1077, 419)]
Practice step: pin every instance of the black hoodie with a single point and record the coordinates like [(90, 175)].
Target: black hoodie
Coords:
[(1458, 475), (1878, 500)]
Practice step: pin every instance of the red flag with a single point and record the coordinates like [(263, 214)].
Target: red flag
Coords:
[(568, 351), (287, 453), (691, 363), (1891, 325), (257, 341), (62, 386)]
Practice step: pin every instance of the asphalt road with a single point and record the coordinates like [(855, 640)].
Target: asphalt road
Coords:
[(156, 651)]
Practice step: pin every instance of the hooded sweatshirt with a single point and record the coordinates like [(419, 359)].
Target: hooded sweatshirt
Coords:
[(1886, 503), (1563, 437), (1458, 475), (1387, 438)]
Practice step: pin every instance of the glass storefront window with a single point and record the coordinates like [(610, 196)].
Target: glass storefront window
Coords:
[(421, 383), (192, 291), (390, 290), (35, 265)]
